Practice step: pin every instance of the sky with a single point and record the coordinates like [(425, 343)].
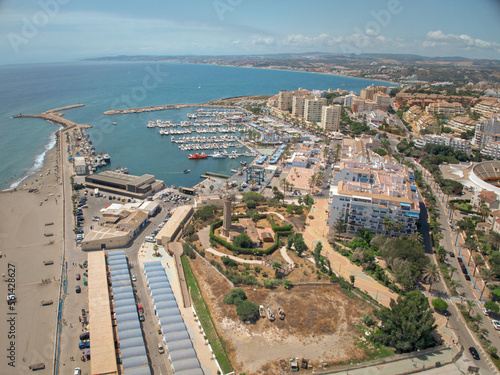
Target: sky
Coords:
[(36, 31)]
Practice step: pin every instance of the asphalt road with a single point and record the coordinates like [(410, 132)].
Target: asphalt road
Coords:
[(456, 322)]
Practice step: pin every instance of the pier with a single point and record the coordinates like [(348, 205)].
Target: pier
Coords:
[(55, 116), (162, 108)]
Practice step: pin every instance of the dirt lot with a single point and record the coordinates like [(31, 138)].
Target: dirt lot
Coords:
[(319, 324)]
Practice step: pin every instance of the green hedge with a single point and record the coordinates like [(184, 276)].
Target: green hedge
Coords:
[(275, 228)]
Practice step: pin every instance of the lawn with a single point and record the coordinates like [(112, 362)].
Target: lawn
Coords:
[(205, 318)]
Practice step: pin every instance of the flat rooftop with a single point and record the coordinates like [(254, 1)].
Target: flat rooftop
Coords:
[(102, 350)]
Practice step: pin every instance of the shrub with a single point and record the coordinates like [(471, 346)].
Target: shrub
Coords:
[(439, 304), (243, 240), (287, 284), (251, 204), (368, 320), (228, 262), (235, 296), (247, 311)]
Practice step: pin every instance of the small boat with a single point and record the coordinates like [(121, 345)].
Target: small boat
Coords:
[(234, 170), (218, 155), (187, 170), (114, 122), (243, 162), (106, 158), (198, 156)]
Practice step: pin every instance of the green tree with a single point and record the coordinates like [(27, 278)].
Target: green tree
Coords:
[(352, 278), (251, 204), (439, 304), (300, 245), (408, 324), (247, 311), (287, 284), (340, 226), (155, 249), (235, 296), (492, 306), (431, 274), (441, 253), (243, 240)]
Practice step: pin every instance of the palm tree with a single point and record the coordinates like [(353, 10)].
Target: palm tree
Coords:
[(470, 305), (389, 225), (441, 251), (431, 274), (484, 210), (416, 236), (494, 239), (452, 269), (487, 276), (398, 226), (155, 249), (454, 284)]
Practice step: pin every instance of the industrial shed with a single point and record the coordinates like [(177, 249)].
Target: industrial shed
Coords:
[(177, 341), (132, 349)]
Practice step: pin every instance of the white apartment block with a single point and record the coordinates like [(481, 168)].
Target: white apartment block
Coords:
[(491, 150), (313, 108), (487, 131), (368, 193), (445, 140), (348, 100), (330, 117)]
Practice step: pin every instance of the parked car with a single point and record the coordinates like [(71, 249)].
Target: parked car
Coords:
[(84, 345), (78, 371), (84, 336), (161, 350), (78, 289), (452, 254), (496, 324), (78, 276), (460, 260), (134, 278), (474, 353), (467, 277)]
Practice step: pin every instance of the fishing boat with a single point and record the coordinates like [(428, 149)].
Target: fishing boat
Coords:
[(114, 122), (243, 162), (198, 156), (187, 170)]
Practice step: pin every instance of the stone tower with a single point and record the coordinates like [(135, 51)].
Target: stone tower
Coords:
[(226, 224)]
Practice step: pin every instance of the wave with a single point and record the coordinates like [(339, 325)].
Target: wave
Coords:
[(38, 164)]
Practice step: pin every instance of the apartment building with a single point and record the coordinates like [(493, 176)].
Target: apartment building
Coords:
[(488, 108), (487, 131), (413, 113), (491, 150), (369, 92), (313, 109), (298, 104), (462, 124), (444, 108), (445, 140), (428, 122), (348, 100), (285, 100), (330, 117), (368, 194), (383, 100)]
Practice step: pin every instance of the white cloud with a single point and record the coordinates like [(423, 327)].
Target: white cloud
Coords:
[(437, 38)]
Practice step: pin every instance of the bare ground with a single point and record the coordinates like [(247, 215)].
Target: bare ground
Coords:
[(319, 324)]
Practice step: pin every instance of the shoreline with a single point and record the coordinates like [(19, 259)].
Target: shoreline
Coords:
[(49, 156)]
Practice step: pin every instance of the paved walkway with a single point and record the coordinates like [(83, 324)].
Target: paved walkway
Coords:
[(317, 230), (412, 364), (285, 255), (239, 260)]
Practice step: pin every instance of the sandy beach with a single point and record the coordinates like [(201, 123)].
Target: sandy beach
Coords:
[(31, 234)]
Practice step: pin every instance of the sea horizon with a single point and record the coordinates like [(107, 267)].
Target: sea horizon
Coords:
[(104, 85)]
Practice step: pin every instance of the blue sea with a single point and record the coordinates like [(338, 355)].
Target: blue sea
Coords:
[(113, 85)]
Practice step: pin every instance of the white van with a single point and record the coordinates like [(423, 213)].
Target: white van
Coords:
[(150, 239)]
